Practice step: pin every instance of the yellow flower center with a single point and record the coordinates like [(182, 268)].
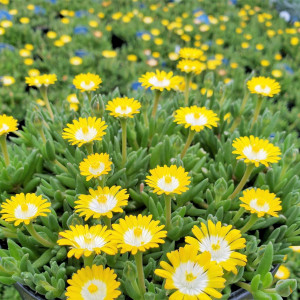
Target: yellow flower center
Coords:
[(255, 148), (216, 246), (168, 179), (196, 115), (24, 207), (101, 199), (92, 288), (85, 130), (260, 202), (138, 231), (190, 276), (123, 107), (88, 238), (95, 165)]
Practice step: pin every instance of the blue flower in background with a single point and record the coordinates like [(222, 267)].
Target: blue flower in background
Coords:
[(197, 10), (136, 85), (140, 33), (81, 53), (51, 1), (39, 10), (203, 19), (288, 69), (225, 61), (233, 2), (5, 15), (163, 64), (272, 135), (4, 46), (81, 13), (81, 30)]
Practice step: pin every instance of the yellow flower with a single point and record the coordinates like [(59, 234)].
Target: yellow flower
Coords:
[(87, 82), (168, 180), (75, 61), (72, 98), (173, 56), (33, 72), (84, 130), (207, 92), (282, 273), (28, 61), (7, 80), (295, 248), (74, 106), (132, 57), (256, 151), (191, 66), (181, 85), (23, 208), (294, 41), (109, 53), (93, 283), (24, 20), (7, 124), (101, 202), (192, 275), (85, 240), (95, 165), (138, 233), (265, 63), (159, 80), (40, 80), (261, 202), (51, 34), (123, 107), (220, 241), (190, 53), (277, 73), (263, 86), (197, 118)]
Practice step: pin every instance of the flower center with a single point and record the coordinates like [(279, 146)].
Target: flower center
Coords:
[(88, 238), (168, 179), (123, 107), (260, 202), (95, 165), (93, 288), (24, 207), (262, 89), (196, 115), (137, 231), (255, 148), (102, 199), (189, 276), (85, 130), (216, 246)]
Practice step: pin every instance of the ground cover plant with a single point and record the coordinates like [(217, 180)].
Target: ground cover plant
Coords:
[(150, 150)]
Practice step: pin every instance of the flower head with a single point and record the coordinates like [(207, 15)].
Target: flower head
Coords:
[(7, 124), (168, 180), (192, 275), (85, 240), (95, 165), (40, 80), (87, 82), (123, 107), (84, 130), (191, 66), (101, 202), (93, 283), (181, 85), (260, 202), (220, 241), (23, 208), (159, 80), (282, 273), (190, 53), (7, 80), (197, 118), (255, 150), (263, 86), (138, 233)]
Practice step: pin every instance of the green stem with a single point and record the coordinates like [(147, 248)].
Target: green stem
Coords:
[(244, 286), (4, 149), (257, 110), (156, 100), (145, 116), (243, 181), (124, 140), (188, 143), (238, 215), (168, 211), (235, 124), (43, 259), (37, 237), (89, 148), (43, 90), (107, 222), (89, 95), (188, 79), (250, 223), (88, 260), (141, 277), (244, 102)]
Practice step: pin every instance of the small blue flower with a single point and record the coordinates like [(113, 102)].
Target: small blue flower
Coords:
[(5, 15), (39, 10), (4, 46), (272, 135), (203, 19), (81, 30), (81, 53), (81, 13), (136, 85), (233, 2), (288, 69), (225, 61), (51, 1), (197, 10)]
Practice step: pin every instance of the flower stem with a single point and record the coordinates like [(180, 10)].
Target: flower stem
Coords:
[(244, 286), (124, 140), (188, 143), (107, 222), (244, 102), (257, 110), (238, 215), (139, 265), (7, 225), (4, 149), (89, 148), (250, 223), (243, 181), (36, 236), (188, 79), (156, 100), (88, 260), (145, 116), (43, 90), (168, 211)]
